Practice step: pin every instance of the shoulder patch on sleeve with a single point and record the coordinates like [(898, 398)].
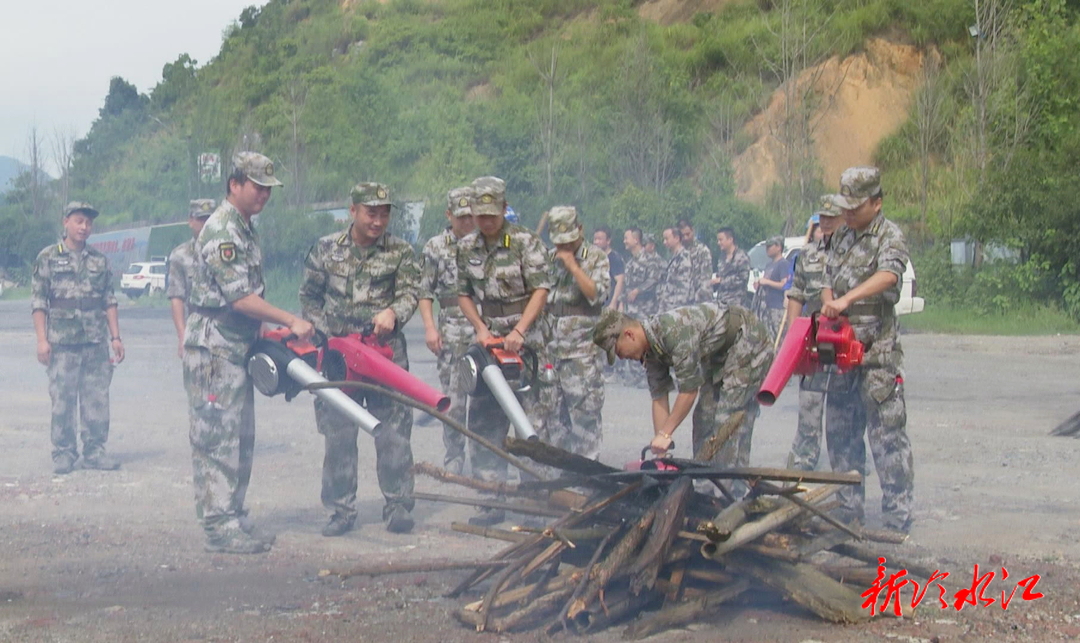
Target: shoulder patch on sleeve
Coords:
[(227, 251)]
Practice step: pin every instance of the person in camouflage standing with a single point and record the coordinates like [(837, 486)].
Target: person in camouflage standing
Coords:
[(677, 284), (643, 274), (74, 310), (226, 311), (503, 267), (829, 393), (365, 276), (862, 279), (732, 270), (580, 276), (182, 267), (700, 261), (452, 335), (717, 353)]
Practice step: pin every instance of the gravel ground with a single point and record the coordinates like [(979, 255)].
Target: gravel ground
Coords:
[(117, 556)]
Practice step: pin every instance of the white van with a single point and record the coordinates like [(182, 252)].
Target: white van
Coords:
[(909, 303)]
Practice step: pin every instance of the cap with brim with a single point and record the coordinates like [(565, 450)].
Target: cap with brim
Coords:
[(606, 332), (201, 208), (457, 201), (648, 238), (80, 206), (489, 195), (775, 241), (563, 224), (828, 207), (371, 194), (257, 168), (857, 185)]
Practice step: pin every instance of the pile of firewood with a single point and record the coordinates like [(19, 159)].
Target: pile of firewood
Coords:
[(600, 546)]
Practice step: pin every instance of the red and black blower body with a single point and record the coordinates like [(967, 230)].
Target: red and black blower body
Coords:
[(811, 344)]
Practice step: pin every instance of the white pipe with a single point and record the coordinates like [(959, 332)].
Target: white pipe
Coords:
[(499, 387), (335, 397)]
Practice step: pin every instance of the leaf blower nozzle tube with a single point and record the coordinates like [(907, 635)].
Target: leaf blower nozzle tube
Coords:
[(504, 395), (335, 397)]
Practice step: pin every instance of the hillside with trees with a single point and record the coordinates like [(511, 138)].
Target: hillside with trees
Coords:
[(637, 112)]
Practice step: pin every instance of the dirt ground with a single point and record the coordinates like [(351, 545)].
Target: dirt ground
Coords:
[(117, 556)]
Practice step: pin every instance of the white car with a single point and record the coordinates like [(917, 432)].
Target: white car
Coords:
[(909, 302), (143, 278)]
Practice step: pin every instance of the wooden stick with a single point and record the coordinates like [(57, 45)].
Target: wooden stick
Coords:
[(753, 530), (432, 411), (768, 487), (867, 555), (517, 619), (519, 507), (442, 475), (710, 576), (584, 581), (488, 532), (553, 456), (518, 593), (684, 613), (419, 566), (669, 519), (675, 581), (804, 584), (615, 608), (858, 575), (716, 441)]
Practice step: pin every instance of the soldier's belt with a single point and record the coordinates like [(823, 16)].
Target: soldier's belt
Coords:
[(879, 309), (448, 302), (77, 303), (503, 309), (575, 310)]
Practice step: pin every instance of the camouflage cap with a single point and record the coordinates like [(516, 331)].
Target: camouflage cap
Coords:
[(80, 206), (775, 241), (857, 184), (370, 194), (201, 208), (827, 207), (489, 195), (563, 224), (457, 201), (606, 331), (258, 168), (648, 238)]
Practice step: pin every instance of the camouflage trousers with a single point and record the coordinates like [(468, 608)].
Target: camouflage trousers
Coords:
[(575, 424), (486, 417), (455, 336), (221, 400), (772, 317), (79, 378), (393, 448), (729, 391), (823, 397), (881, 396)]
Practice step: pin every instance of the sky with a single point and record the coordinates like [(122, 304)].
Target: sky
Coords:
[(57, 56)]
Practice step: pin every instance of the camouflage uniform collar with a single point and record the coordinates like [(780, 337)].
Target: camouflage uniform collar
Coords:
[(871, 230), (502, 241), (346, 239), (63, 248), (650, 336), (231, 212)]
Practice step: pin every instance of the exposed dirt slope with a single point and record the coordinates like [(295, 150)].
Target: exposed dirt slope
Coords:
[(670, 11), (865, 97)]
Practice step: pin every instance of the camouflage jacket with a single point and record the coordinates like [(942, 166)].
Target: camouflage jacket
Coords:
[(572, 333), (181, 270), (345, 285), (228, 267), (694, 342), (677, 286), (74, 288), (506, 272), (438, 282), (854, 258), (643, 273), (734, 276), (701, 265), (809, 276)]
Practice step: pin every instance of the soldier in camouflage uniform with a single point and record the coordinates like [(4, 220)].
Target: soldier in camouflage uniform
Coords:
[(677, 284), (503, 267), (182, 267), (700, 261), (452, 335), (352, 279), (643, 274), (580, 276), (862, 279), (829, 392), (226, 311), (74, 310), (718, 353), (732, 270)]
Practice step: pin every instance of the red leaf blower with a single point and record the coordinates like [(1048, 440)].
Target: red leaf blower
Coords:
[(490, 369), (811, 343), (281, 363)]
